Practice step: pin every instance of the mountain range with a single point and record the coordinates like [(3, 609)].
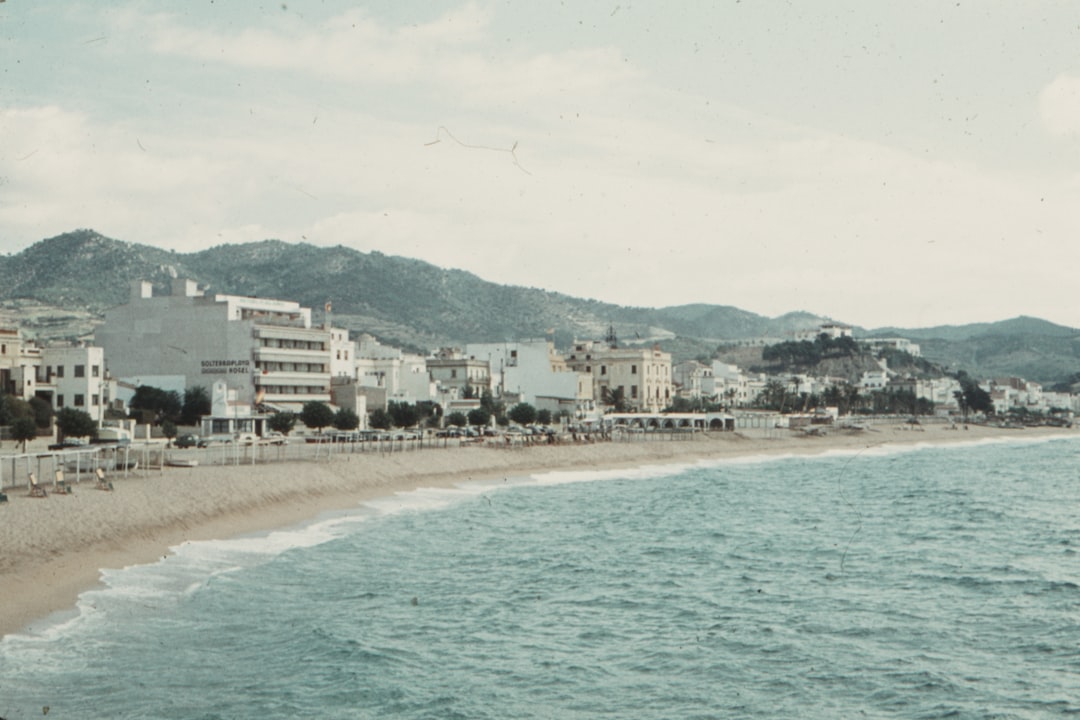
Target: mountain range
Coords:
[(59, 287)]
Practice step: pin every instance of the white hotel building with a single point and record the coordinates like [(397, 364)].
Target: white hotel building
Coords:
[(265, 350)]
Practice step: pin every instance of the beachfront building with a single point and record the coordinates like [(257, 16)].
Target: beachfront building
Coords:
[(391, 373), (458, 375), (267, 351), (62, 375), (533, 371), (19, 360), (73, 376), (643, 374), (730, 386), (693, 379)]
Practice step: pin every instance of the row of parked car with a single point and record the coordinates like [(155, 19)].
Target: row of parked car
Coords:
[(189, 440)]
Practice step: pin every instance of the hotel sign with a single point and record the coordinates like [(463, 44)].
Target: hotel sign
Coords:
[(226, 367)]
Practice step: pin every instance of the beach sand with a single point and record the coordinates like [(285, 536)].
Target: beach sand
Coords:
[(54, 548)]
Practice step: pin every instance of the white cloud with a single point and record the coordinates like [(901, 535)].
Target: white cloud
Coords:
[(1059, 105)]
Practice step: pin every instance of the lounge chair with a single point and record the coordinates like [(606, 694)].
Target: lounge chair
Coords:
[(35, 489), (102, 483), (62, 486)]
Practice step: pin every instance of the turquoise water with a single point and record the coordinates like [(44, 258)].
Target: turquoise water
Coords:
[(889, 583)]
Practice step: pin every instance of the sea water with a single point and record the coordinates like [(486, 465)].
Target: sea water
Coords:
[(904, 582)]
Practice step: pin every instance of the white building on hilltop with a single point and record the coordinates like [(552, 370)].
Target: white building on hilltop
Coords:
[(265, 350)]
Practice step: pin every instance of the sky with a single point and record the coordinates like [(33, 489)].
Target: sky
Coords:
[(882, 164)]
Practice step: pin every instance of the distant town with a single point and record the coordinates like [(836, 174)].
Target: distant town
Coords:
[(228, 364)]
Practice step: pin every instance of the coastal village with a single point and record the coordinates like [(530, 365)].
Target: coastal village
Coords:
[(257, 357)]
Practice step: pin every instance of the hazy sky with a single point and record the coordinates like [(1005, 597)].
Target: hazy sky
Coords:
[(881, 163)]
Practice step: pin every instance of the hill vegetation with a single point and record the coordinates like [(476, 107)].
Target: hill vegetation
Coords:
[(59, 287)]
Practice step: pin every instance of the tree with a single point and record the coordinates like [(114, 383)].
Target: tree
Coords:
[(616, 399), (379, 419), (196, 404), (479, 417), (42, 412), (158, 404), (168, 429), (316, 415), (71, 422), (346, 419), (5, 414), (403, 414), (23, 429), (773, 396), (430, 412), (282, 422), (457, 419), (543, 417), (975, 399), (523, 414)]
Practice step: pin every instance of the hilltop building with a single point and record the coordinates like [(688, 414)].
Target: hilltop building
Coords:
[(267, 351)]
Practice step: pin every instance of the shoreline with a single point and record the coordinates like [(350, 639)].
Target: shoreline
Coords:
[(53, 549)]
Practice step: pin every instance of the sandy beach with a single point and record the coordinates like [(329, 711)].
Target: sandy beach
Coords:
[(54, 548)]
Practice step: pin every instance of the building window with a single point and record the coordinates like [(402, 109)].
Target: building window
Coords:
[(95, 371), (80, 400), (603, 369), (59, 401), (633, 369), (94, 402), (633, 392), (80, 371), (453, 374), (59, 371)]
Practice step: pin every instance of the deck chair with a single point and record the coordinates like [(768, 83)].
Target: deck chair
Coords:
[(60, 485), (102, 483), (35, 489)]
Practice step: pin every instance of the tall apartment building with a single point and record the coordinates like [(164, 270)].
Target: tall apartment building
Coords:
[(266, 350)]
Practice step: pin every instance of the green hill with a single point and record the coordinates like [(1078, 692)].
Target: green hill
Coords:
[(59, 287)]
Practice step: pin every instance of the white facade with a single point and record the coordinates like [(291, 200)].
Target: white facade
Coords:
[(535, 371), (730, 385), (19, 361), (642, 374), (403, 376), (265, 350), (74, 377), (693, 379), (902, 344)]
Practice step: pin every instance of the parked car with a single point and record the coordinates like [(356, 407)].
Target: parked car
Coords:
[(186, 441), (215, 440), (246, 438), (68, 443), (275, 438)]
